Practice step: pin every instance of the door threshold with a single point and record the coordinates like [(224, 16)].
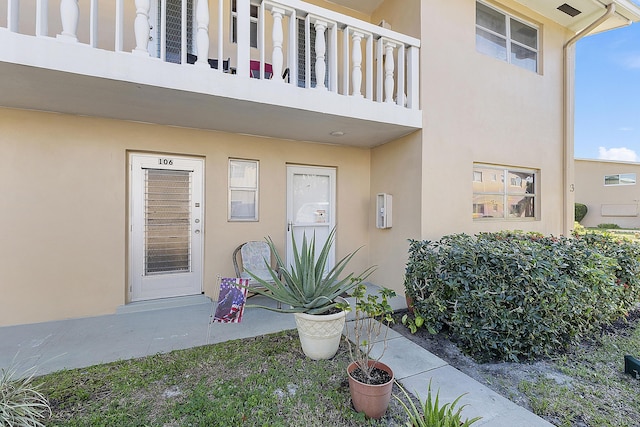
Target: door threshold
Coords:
[(163, 303)]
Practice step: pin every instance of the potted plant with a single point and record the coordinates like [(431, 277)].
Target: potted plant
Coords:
[(313, 295), (370, 381)]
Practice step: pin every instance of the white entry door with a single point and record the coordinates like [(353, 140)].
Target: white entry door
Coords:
[(166, 230), (311, 199)]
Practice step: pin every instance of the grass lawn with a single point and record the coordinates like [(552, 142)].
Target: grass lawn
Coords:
[(594, 390), (262, 381)]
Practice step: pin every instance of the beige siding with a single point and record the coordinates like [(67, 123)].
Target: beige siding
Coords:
[(64, 183), (615, 204), (478, 109)]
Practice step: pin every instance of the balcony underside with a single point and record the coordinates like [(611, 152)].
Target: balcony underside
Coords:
[(49, 75)]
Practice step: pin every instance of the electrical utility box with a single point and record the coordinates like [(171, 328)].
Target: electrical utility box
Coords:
[(383, 210)]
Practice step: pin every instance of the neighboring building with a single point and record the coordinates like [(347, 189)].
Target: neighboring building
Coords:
[(130, 174), (610, 191)]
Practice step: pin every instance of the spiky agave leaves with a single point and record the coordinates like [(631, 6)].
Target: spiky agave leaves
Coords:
[(304, 287), (432, 414), (21, 404)]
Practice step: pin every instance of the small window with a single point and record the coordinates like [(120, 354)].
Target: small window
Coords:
[(506, 38), (477, 176), (253, 11), (512, 197), (243, 190), (620, 179)]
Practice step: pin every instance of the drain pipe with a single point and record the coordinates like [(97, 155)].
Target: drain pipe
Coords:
[(569, 116)]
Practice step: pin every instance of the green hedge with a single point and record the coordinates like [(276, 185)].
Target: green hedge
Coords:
[(580, 211), (514, 296)]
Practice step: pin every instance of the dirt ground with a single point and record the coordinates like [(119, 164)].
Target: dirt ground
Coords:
[(502, 377)]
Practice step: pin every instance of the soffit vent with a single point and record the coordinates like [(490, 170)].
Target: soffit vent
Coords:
[(569, 10)]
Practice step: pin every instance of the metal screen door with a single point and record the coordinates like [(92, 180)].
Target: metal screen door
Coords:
[(166, 205)]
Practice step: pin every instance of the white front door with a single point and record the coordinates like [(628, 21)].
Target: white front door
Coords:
[(166, 205), (311, 199)]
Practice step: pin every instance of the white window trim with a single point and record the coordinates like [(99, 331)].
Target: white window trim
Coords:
[(504, 170), (254, 188), (507, 37), (635, 180), (253, 20)]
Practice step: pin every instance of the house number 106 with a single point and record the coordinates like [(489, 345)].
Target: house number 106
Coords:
[(166, 162)]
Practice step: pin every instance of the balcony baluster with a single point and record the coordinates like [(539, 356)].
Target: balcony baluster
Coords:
[(321, 50), (356, 77), (141, 27), (69, 12), (202, 21), (277, 57), (389, 66)]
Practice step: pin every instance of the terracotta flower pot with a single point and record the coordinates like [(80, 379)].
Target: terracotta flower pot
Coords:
[(409, 301), (373, 400)]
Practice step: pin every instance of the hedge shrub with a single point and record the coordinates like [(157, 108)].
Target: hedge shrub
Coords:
[(580, 211), (514, 296)]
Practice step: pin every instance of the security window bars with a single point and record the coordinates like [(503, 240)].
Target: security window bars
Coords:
[(620, 179), (174, 29), (243, 190), (302, 55), (513, 196), (506, 38)]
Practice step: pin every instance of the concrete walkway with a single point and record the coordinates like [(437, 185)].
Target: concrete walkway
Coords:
[(142, 329)]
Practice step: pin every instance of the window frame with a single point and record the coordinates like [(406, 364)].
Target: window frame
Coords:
[(255, 188), (620, 181), (507, 36), (233, 23), (504, 195)]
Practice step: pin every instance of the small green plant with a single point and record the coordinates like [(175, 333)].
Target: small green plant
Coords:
[(21, 403), (580, 211), (373, 315), (305, 288), (608, 226), (432, 414), (414, 322)]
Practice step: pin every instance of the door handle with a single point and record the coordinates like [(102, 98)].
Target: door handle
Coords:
[(289, 225)]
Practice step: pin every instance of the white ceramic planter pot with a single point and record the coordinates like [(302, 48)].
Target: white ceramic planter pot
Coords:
[(320, 334)]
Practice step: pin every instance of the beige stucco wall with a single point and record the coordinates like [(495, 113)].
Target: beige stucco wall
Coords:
[(63, 230), (396, 170), (480, 109), (619, 202)]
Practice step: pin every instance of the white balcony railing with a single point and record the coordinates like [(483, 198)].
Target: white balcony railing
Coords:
[(342, 54)]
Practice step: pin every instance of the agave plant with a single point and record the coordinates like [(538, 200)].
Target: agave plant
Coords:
[(432, 414), (305, 287)]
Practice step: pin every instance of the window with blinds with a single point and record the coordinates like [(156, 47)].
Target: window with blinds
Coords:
[(174, 29), (167, 221)]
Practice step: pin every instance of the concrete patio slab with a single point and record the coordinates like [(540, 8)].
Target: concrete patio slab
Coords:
[(162, 326)]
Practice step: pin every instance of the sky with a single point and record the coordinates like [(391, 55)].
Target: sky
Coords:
[(607, 99)]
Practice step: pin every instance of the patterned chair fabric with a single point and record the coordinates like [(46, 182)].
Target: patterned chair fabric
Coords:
[(252, 258)]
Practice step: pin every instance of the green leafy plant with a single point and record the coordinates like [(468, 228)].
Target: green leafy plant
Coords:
[(432, 414), (580, 211), (21, 403), (424, 287), (305, 288), (514, 295), (373, 315)]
